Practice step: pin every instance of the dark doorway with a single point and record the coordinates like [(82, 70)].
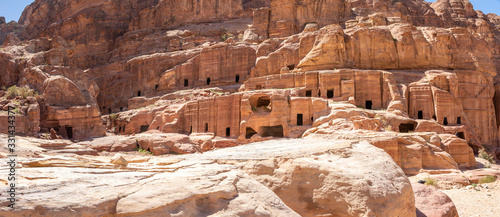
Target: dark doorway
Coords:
[(319, 93), (190, 129), (434, 117), (237, 79), (459, 120), (139, 93), (120, 129), (460, 135), (308, 93), (368, 104), (121, 109), (300, 119), (274, 131), (186, 82), (206, 127), (144, 128), (291, 67), (263, 101), (406, 128), (420, 115), (329, 94), (109, 111), (208, 81), (228, 131), (249, 133), (445, 121), (69, 132), (312, 119), (156, 86)]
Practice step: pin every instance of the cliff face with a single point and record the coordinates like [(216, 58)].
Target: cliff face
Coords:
[(417, 79)]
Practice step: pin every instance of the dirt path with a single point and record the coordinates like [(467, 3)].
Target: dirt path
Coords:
[(481, 202)]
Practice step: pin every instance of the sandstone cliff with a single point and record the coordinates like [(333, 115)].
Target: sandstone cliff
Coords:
[(416, 79)]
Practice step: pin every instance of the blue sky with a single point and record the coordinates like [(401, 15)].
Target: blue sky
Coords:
[(12, 9)]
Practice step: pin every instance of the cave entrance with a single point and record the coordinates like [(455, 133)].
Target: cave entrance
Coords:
[(263, 101), (208, 81), (237, 79), (368, 104), (291, 67), (308, 93), (186, 82), (69, 131), (460, 135), (156, 86), (459, 120), (249, 133), (329, 94), (228, 132), (144, 128), (300, 119), (274, 131), (420, 115), (445, 121), (139, 93), (406, 128)]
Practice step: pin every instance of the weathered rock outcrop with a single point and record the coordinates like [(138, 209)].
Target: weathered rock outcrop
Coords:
[(208, 184)]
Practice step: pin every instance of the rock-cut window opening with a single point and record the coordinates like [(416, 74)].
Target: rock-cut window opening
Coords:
[(308, 93), (300, 119), (69, 131), (274, 131), (249, 133), (368, 104), (144, 128), (329, 94)]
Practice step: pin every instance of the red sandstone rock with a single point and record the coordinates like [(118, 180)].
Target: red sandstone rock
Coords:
[(431, 202)]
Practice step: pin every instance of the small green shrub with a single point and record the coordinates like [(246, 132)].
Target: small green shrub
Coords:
[(144, 151), (113, 116), (430, 181), (487, 179), (226, 36), (24, 91), (484, 155)]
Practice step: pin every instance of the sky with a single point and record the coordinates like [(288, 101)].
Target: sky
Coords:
[(12, 9)]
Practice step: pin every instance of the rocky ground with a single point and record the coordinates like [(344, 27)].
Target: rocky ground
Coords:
[(479, 201), (250, 107)]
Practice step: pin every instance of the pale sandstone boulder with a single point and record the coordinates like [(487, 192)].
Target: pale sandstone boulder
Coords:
[(223, 191), (119, 160), (329, 50), (164, 143), (330, 183), (59, 91), (432, 202), (458, 148)]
